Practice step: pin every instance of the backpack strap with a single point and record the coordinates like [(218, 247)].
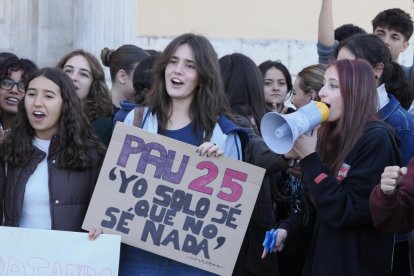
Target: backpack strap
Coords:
[(138, 114)]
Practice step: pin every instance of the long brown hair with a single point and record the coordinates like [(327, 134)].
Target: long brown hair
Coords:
[(359, 94), (74, 136), (243, 83), (98, 102), (209, 101)]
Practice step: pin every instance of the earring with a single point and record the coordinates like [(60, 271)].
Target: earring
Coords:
[(376, 77)]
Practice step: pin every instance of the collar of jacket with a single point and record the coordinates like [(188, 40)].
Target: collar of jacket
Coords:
[(389, 108)]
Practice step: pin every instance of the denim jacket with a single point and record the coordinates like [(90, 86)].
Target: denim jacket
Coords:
[(403, 123)]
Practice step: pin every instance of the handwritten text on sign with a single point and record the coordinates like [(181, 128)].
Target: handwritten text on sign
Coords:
[(36, 252), (165, 198)]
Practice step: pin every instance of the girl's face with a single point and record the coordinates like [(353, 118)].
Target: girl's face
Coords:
[(79, 70), (181, 77), (394, 40), (275, 87), (331, 94), (10, 98), (43, 103), (299, 97)]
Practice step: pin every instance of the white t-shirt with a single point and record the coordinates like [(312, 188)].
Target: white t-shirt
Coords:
[(36, 206), (382, 96)]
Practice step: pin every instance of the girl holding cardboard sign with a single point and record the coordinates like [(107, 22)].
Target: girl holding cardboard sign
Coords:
[(187, 103)]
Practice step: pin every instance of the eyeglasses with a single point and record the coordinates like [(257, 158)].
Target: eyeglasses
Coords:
[(7, 84)]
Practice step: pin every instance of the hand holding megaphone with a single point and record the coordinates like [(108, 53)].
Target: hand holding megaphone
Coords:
[(280, 131), (305, 144)]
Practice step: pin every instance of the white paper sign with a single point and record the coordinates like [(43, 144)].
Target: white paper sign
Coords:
[(25, 251)]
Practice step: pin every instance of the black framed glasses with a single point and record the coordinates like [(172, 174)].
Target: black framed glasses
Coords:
[(7, 84)]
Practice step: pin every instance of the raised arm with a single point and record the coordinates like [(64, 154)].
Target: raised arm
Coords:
[(326, 31)]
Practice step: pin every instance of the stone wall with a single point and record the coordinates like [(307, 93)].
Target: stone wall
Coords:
[(44, 30)]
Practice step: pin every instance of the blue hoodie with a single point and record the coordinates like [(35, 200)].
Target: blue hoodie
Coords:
[(120, 115)]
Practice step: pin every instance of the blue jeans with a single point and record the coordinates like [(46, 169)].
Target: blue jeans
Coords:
[(138, 262)]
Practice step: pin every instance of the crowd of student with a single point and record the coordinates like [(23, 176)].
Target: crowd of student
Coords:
[(342, 200)]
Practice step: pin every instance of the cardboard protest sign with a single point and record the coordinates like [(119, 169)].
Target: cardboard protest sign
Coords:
[(161, 196), (26, 251)]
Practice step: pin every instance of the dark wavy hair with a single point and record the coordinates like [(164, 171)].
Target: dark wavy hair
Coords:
[(13, 63), (394, 19), (74, 137), (6, 55), (98, 102), (209, 101), (359, 92), (371, 48), (243, 84)]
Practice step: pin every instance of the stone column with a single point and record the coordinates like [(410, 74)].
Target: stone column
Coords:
[(18, 27), (45, 30), (104, 23)]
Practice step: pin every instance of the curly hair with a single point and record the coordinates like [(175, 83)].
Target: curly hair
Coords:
[(74, 137), (98, 102), (209, 100), (6, 55), (13, 63)]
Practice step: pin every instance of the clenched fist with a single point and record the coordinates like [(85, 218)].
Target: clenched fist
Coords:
[(390, 178)]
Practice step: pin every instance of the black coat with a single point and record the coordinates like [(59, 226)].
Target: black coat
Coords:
[(345, 241), (265, 215), (70, 190)]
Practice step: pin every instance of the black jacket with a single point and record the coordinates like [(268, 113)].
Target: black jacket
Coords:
[(69, 190), (345, 241), (265, 215)]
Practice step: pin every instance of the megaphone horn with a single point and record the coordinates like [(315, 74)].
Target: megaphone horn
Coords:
[(280, 131)]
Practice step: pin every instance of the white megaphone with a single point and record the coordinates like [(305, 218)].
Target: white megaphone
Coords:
[(280, 131)]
